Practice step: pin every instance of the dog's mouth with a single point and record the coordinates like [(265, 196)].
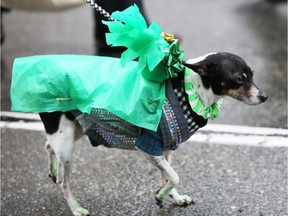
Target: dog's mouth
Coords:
[(253, 96)]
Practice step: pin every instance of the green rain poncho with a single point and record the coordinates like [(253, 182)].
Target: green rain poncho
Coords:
[(132, 90)]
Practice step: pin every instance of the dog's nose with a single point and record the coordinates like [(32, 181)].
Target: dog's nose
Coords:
[(263, 96)]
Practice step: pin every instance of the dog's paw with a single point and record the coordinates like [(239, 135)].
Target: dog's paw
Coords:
[(159, 201), (53, 171), (181, 200), (53, 177), (79, 211)]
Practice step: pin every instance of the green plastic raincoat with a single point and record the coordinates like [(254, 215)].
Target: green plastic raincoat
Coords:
[(67, 82), (132, 90)]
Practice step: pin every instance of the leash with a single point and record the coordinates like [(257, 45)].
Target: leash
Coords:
[(100, 10)]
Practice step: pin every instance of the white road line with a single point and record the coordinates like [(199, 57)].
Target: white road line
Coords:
[(240, 140), (34, 126), (234, 129), (213, 133), (20, 115)]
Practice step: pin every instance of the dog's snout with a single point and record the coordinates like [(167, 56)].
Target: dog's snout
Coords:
[(262, 96)]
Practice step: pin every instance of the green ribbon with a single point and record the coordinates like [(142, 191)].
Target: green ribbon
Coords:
[(131, 31), (145, 43), (173, 60)]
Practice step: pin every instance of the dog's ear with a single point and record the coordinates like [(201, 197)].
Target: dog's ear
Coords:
[(199, 68)]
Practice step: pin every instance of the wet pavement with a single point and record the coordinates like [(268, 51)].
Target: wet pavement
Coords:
[(221, 179)]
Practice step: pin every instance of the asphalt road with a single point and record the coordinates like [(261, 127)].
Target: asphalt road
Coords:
[(222, 180), (246, 180)]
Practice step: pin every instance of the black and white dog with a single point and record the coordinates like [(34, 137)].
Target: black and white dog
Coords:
[(219, 74)]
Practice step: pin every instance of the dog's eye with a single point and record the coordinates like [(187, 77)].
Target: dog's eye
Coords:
[(241, 79)]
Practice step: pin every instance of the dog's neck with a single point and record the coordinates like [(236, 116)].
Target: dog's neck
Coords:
[(206, 94)]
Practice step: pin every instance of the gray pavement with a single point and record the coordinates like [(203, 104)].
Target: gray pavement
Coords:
[(222, 179)]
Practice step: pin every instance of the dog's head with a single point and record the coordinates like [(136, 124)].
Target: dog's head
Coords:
[(228, 74)]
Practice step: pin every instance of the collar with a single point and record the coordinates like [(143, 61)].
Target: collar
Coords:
[(202, 100)]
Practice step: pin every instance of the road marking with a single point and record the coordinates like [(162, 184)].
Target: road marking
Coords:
[(238, 139), (34, 126), (213, 133), (20, 115), (244, 130)]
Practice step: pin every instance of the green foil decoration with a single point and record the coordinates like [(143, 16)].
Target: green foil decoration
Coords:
[(173, 60), (142, 42)]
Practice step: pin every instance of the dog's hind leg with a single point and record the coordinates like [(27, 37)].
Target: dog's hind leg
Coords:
[(52, 162), (62, 143), (178, 199)]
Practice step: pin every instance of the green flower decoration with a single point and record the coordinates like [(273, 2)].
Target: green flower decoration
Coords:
[(173, 60), (131, 31)]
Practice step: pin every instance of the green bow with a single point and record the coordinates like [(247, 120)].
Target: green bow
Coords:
[(173, 60), (153, 50), (131, 31)]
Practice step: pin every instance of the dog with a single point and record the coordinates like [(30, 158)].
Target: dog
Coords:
[(218, 75)]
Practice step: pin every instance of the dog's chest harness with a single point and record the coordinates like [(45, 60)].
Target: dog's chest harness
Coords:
[(178, 123)]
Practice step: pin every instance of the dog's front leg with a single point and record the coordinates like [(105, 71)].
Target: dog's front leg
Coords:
[(178, 199), (169, 177)]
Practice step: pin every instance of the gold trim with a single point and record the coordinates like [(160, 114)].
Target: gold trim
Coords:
[(168, 37), (63, 99)]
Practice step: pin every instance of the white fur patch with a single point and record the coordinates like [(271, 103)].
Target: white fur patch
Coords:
[(207, 95), (198, 59), (254, 96)]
